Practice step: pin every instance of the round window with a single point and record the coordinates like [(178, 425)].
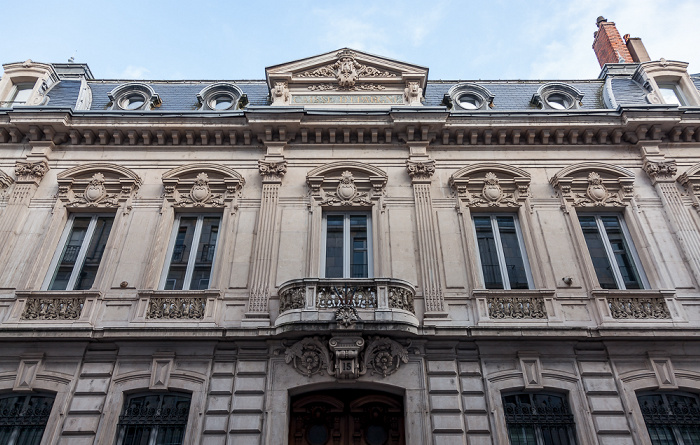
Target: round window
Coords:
[(558, 101), (221, 102), (132, 102), (469, 102)]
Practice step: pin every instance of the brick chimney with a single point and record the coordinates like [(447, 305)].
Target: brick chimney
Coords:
[(608, 45)]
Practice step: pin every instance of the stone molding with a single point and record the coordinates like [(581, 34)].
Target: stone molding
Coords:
[(97, 186), (202, 186), (30, 172), (690, 179), (491, 185), (346, 184), (594, 184), (347, 357)]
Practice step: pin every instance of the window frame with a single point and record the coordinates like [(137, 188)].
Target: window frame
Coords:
[(629, 242), (17, 428), (673, 427), (537, 426), (16, 88), (503, 269), (82, 252), (676, 88), (153, 435), (346, 243), (196, 236)]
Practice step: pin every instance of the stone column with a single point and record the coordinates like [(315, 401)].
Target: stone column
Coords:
[(421, 171), (272, 170), (662, 174)]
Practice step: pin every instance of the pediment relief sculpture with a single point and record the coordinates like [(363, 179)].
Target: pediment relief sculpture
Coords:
[(202, 186), (594, 185), (97, 186), (347, 187), (491, 185)]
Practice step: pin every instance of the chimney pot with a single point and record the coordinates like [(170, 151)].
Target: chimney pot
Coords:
[(608, 45), (600, 19)]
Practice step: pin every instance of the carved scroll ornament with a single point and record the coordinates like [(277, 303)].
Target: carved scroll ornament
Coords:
[(494, 188), (420, 170), (97, 186), (594, 185), (202, 186), (356, 185), (346, 70)]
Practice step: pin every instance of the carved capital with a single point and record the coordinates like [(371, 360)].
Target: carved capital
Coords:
[(30, 172), (272, 171), (662, 170), (420, 170)]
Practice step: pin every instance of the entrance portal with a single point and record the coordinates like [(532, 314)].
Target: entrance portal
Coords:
[(346, 417)]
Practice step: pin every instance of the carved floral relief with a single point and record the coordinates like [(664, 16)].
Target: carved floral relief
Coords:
[(351, 188), (501, 189), (97, 186), (594, 185), (201, 186)]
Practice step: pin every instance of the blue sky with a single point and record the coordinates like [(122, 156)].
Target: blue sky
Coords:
[(204, 39)]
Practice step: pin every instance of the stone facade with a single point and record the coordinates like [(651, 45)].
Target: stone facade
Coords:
[(341, 134)]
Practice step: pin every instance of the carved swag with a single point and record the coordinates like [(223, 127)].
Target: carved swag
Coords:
[(97, 186), (204, 185), (346, 187), (347, 71), (491, 185), (594, 185), (346, 357)]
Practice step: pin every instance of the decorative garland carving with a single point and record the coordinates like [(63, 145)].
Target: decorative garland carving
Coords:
[(292, 298), (97, 186), (346, 70), (30, 171), (361, 87), (597, 194), (638, 308), (400, 298), (200, 195), (187, 308), (346, 194), (516, 307), (508, 188), (53, 308), (346, 356)]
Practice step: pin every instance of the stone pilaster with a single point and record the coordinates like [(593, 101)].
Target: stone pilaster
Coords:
[(662, 174), (272, 171), (421, 171)]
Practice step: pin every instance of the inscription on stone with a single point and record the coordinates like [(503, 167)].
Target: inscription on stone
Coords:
[(348, 99)]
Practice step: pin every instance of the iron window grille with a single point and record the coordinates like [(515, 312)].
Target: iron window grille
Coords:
[(539, 419), (23, 418), (671, 419), (154, 419), (75, 265)]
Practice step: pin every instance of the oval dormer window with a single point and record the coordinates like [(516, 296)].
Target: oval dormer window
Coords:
[(469, 101), (132, 102), (222, 102), (133, 97), (221, 96), (557, 96), (558, 101), (469, 97)]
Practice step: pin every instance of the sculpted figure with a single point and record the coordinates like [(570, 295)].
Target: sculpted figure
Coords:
[(413, 93), (280, 94)]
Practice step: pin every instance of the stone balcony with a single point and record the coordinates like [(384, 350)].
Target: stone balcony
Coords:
[(369, 303), (615, 306)]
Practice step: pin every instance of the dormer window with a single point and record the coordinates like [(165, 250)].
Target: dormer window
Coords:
[(20, 94), (671, 94), (469, 97), (469, 102), (557, 96), (667, 82), (221, 97), (134, 97), (559, 101)]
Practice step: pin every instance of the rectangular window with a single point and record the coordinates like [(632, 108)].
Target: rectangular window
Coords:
[(614, 258), (671, 94), (23, 418), (83, 243), (347, 245), (502, 256), (154, 419), (20, 93), (191, 252), (539, 419)]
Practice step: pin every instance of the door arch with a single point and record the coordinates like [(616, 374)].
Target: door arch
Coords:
[(346, 417)]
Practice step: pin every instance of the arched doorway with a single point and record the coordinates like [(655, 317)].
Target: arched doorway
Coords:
[(346, 417)]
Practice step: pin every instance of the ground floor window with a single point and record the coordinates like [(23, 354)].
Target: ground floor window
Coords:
[(154, 419), (539, 419), (23, 418), (671, 419)]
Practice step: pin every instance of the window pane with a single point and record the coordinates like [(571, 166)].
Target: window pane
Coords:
[(488, 253), (600, 259), (154, 419), (205, 254), (358, 239), (670, 94), (94, 253), (517, 275), (24, 418), (621, 252), (538, 419), (334, 246), (181, 254), (22, 93), (70, 253)]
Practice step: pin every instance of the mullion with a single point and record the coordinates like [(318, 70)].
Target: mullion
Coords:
[(193, 253), (347, 249), (611, 253), (499, 253), (78, 266)]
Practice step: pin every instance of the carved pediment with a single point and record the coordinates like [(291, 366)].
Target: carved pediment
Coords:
[(346, 184), (491, 185), (97, 185), (202, 185), (594, 184), (346, 77)]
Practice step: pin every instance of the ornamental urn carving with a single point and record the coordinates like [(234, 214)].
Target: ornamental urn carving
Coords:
[(347, 188), (200, 190), (95, 189), (596, 190), (492, 191)]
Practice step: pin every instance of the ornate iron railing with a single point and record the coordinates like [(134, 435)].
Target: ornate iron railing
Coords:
[(332, 294), (58, 308), (516, 307), (192, 308), (638, 308)]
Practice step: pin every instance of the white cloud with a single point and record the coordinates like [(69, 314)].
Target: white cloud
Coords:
[(134, 72)]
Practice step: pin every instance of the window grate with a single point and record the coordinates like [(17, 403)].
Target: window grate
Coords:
[(539, 419)]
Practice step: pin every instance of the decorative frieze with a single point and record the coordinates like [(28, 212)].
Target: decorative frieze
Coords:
[(56, 308), (176, 308), (516, 308), (638, 308), (346, 356), (30, 172)]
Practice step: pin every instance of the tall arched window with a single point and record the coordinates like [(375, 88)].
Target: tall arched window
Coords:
[(539, 419), (23, 418), (671, 418), (154, 419)]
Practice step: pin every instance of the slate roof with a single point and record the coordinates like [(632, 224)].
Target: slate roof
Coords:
[(509, 95)]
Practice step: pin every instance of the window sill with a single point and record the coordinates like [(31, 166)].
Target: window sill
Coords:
[(529, 306), (74, 307), (176, 306), (637, 306)]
